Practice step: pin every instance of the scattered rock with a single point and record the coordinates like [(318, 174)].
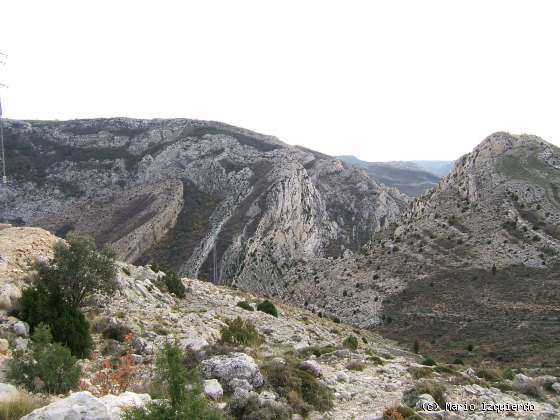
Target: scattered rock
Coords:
[(21, 329), (471, 372), (267, 397), (521, 379), (312, 367), (423, 400), (4, 346), (224, 368), (21, 343), (236, 383), (342, 377), (195, 344), (213, 389)]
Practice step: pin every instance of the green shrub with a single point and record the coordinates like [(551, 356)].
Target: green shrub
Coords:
[(51, 362), (316, 351), (428, 361), (253, 410), (531, 389), (491, 375), (267, 307), (508, 374), (416, 346), (240, 332), (174, 284), (67, 324), (420, 372), (116, 332), (458, 362), (178, 390), (302, 390), (245, 305), (350, 342), (77, 270), (435, 389)]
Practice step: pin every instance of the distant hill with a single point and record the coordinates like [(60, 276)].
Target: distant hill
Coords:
[(437, 167), (410, 177)]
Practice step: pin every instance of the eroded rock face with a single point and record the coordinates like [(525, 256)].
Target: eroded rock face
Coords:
[(174, 190), (20, 248)]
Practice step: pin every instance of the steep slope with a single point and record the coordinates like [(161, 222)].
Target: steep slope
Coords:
[(407, 177), (364, 381), (248, 202), (473, 262)]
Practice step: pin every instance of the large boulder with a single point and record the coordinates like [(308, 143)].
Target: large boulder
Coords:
[(84, 406), (231, 366)]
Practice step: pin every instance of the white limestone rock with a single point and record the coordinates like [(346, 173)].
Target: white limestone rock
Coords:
[(84, 406), (213, 389)]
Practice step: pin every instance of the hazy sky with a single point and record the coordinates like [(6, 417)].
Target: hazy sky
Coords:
[(383, 80)]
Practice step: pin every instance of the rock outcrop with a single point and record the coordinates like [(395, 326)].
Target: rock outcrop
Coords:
[(84, 406)]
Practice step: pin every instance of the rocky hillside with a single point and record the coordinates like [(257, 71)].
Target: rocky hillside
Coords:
[(364, 378), (186, 193), (408, 177), (473, 263)]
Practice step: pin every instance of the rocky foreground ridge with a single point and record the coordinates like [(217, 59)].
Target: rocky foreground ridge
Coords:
[(186, 193), (365, 381)]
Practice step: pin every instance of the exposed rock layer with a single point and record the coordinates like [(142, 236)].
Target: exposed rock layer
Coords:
[(259, 203)]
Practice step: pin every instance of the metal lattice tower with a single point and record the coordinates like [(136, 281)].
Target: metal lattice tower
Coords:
[(3, 57)]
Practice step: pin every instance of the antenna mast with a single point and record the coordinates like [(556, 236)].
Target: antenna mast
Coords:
[(3, 57)]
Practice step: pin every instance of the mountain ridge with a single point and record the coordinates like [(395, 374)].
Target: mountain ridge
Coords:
[(407, 176), (258, 201)]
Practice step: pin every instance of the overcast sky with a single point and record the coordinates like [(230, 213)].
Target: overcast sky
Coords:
[(382, 80)]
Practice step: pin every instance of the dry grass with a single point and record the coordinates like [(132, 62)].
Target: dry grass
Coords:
[(23, 404)]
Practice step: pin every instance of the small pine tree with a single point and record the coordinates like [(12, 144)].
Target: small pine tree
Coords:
[(416, 346), (174, 284), (51, 363), (67, 324), (77, 270), (181, 391)]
